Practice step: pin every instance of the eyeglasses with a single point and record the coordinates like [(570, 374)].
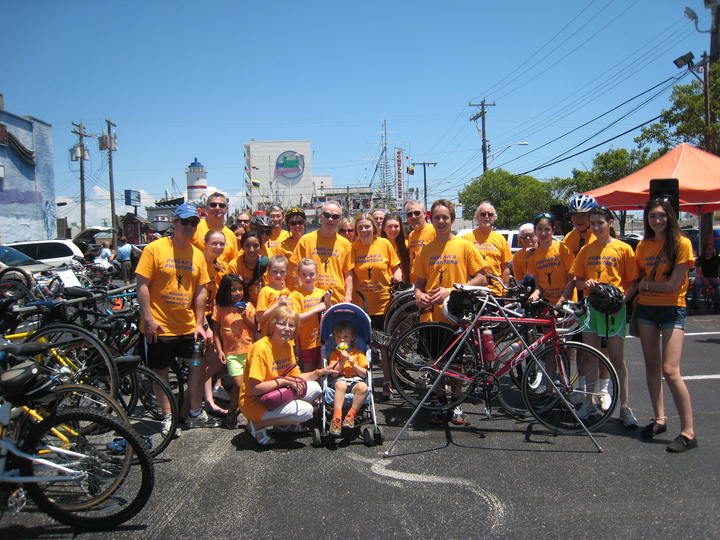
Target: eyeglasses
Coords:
[(486, 214), (295, 223), (544, 215), (415, 213), (217, 205), (527, 236), (286, 324), (189, 221), (346, 231), (328, 215)]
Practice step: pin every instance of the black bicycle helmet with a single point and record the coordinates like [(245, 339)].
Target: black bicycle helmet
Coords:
[(606, 298), (581, 204), (261, 222)]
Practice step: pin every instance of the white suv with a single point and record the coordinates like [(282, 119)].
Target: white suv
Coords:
[(511, 236), (53, 252)]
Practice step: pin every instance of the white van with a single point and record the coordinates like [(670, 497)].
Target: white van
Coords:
[(53, 252), (511, 236)]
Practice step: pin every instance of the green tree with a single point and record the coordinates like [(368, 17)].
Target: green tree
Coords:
[(684, 121), (517, 199)]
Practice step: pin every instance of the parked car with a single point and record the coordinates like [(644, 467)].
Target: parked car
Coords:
[(53, 252), (12, 257)]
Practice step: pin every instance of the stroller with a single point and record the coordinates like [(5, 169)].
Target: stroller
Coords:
[(371, 433)]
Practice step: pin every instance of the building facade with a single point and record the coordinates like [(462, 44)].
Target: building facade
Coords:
[(27, 181)]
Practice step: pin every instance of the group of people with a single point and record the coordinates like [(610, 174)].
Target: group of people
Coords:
[(256, 295)]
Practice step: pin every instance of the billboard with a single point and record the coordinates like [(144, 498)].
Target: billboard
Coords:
[(132, 198)]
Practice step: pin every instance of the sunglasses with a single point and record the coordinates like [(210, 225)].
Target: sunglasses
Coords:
[(243, 221), (217, 205), (189, 221), (527, 236), (346, 230), (486, 214), (294, 223), (266, 232), (328, 215), (544, 215), (415, 213)]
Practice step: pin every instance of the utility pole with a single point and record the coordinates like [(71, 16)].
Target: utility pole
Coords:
[(424, 165), (80, 132), (111, 147), (483, 134)]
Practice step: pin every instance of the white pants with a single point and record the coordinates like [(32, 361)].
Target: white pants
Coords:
[(299, 410)]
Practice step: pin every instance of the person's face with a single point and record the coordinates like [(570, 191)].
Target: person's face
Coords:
[(277, 218), (277, 273), (244, 221), (580, 221), (543, 231), (186, 227), (415, 216), (485, 216), (306, 276), (330, 217), (600, 226), (527, 238), (708, 250), (238, 234), (236, 293), (392, 229), (378, 216), (251, 247), (215, 245), (343, 336), (346, 229), (365, 230), (284, 330), (441, 220), (657, 219), (296, 224), (265, 235), (216, 207)]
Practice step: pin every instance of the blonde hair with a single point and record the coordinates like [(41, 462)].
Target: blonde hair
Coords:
[(283, 313)]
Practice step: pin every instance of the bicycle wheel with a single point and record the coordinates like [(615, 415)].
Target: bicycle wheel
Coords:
[(82, 353), (394, 305), (110, 490), (146, 417), (18, 274), (86, 396), (403, 317), (509, 395), (544, 402), (418, 356)]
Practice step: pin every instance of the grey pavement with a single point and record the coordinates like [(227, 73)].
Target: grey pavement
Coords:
[(492, 478)]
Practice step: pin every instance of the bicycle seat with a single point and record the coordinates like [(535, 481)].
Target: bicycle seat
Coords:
[(25, 349), (77, 292), (127, 364)]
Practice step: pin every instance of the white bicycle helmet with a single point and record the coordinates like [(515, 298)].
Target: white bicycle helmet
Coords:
[(581, 203)]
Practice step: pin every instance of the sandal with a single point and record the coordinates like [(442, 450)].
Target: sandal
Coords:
[(265, 440)]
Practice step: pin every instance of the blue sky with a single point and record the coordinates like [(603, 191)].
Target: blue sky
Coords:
[(198, 79)]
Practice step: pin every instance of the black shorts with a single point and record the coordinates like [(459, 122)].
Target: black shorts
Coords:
[(159, 355)]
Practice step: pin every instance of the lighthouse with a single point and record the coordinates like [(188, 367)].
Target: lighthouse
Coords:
[(196, 183)]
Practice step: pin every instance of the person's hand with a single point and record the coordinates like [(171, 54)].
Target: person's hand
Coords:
[(222, 357), (152, 330), (438, 295), (320, 372), (422, 300)]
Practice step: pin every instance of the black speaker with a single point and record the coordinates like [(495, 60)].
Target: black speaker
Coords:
[(666, 187), (562, 217)]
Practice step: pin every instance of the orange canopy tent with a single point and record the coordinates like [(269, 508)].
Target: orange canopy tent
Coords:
[(697, 171)]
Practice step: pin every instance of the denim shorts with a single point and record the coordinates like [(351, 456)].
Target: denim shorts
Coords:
[(660, 316)]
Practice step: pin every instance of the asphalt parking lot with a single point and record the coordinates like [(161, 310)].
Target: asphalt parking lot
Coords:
[(492, 478)]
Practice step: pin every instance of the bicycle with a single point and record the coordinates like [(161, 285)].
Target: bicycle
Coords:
[(438, 366), (80, 466)]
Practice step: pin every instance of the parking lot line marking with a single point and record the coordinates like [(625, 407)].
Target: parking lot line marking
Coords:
[(496, 508), (691, 334), (700, 377)]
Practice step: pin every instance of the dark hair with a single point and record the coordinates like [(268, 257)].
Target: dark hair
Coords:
[(343, 326), (605, 212), (234, 227), (447, 204), (223, 298), (544, 216), (401, 244), (250, 234), (672, 230)]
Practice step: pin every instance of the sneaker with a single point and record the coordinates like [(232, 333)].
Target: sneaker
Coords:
[(627, 417), (576, 398), (438, 417), (231, 420), (605, 401), (652, 429), (336, 427), (349, 422), (681, 444), (587, 410), (202, 420), (458, 417), (219, 392), (166, 425)]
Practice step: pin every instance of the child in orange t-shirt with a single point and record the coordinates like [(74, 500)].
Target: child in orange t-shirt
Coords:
[(351, 365), (233, 325), (275, 293)]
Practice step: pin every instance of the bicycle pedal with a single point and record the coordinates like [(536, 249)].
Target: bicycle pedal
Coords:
[(117, 445), (17, 500), (147, 439)]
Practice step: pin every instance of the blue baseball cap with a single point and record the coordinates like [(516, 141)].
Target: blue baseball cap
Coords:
[(185, 211)]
